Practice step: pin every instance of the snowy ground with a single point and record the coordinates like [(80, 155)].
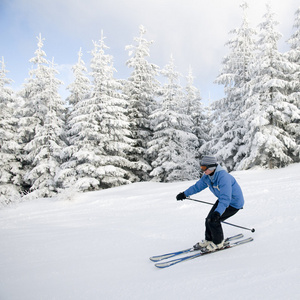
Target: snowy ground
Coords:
[(98, 245)]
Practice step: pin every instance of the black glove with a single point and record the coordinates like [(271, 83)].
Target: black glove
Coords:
[(181, 196), (215, 217)]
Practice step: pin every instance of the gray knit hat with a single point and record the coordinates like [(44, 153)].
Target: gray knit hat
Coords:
[(208, 160)]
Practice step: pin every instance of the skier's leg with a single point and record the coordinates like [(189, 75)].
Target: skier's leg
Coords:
[(215, 228), (208, 233)]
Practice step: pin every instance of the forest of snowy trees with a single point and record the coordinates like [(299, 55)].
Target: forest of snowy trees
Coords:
[(111, 132)]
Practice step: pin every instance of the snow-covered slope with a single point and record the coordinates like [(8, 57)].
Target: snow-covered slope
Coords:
[(97, 246)]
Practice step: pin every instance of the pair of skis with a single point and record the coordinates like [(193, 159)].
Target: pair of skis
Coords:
[(227, 244)]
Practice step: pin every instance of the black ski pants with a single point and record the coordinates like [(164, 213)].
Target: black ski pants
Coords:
[(213, 230)]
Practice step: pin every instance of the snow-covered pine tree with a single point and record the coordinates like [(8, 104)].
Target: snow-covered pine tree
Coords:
[(114, 124), (80, 91), (141, 88), (193, 107), (294, 93), (173, 147), (268, 110), (80, 88), (100, 130), (42, 126), (229, 127), (10, 166)]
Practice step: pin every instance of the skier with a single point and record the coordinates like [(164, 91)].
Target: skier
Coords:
[(230, 201)]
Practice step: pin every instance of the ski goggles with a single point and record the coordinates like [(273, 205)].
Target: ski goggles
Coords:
[(204, 168)]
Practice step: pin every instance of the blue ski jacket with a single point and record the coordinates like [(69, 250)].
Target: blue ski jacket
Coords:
[(223, 186)]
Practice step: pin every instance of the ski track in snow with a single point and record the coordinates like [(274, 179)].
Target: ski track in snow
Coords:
[(97, 246)]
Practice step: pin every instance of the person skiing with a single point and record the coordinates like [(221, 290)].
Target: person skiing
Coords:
[(230, 200)]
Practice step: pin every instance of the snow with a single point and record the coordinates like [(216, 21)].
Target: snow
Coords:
[(97, 245)]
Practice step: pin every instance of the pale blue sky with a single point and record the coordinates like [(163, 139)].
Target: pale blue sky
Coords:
[(194, 31)]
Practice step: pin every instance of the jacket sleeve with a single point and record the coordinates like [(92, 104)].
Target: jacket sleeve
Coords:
[(225, 189), (196, 188)]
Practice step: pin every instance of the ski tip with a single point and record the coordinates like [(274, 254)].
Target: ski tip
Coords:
[(162, 265), (155, 259)]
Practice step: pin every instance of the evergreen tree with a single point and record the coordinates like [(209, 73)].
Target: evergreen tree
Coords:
[(141, 89), (294, 93), (80, 88), (229, 127), (268, 110), (100, 130), (173, 147), (42, 126), (194, 108), (10, 166), (80, 91)]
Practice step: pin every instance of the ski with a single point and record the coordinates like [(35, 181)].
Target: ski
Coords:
[(172, 254), (189, 257)]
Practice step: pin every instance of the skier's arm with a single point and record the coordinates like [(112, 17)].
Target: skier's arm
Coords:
[(196, 188)]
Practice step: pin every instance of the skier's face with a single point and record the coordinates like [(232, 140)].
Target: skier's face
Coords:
[(208, 171)]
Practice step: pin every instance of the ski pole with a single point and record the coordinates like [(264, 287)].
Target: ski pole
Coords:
[(188, 198), (251, 229)]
